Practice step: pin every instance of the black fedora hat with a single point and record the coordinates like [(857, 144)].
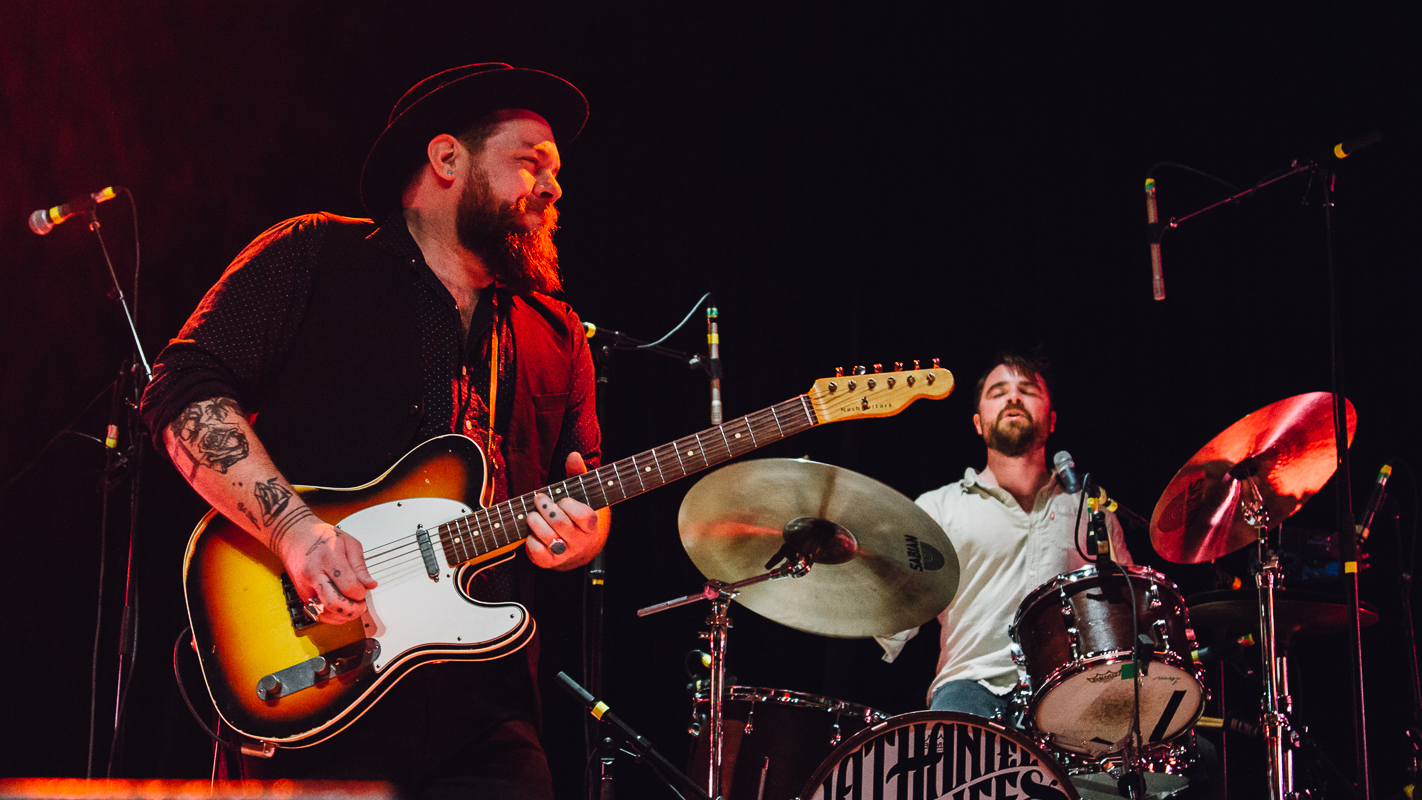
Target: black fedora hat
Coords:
[(449, 102)]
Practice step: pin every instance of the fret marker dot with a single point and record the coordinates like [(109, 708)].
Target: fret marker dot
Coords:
[(646, 469), (520, 516), (738, 436), (497, 524), (555, 491), (458, 539), (609, 483)]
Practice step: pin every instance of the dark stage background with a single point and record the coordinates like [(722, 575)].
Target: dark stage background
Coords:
[(855, 183)]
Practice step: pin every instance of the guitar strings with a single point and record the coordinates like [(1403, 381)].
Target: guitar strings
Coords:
[(403, 556)]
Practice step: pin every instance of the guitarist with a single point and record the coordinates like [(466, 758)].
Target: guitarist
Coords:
[(332, 346)]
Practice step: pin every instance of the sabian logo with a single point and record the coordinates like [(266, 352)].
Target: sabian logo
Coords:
[(922, 556)]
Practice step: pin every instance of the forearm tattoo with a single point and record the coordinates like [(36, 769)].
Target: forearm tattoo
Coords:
[(207, 433)]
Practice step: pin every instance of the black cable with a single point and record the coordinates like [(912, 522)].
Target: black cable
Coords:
[(679, 325), (1150, 173), (182, 690), (66, 429), (1076, 528)]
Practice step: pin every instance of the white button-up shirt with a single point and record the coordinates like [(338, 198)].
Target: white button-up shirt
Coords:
[(1004, 553)]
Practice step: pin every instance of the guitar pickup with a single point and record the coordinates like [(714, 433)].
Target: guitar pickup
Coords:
[(341, 661), (427, 552)]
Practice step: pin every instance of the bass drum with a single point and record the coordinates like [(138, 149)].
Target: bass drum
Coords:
[(938, 754), (773, 739), (1074, 635)]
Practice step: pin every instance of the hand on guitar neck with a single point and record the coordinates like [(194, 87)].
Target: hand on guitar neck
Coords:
[(582, 530)]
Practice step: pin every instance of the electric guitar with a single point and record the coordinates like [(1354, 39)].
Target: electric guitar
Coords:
[(276, 676)]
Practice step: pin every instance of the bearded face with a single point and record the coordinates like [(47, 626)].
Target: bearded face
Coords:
[(1015, 431), (522, 259)]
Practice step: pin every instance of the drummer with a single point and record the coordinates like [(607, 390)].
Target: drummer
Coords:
[(1012, 527)]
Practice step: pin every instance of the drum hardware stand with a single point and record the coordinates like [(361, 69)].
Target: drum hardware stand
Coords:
[(719, 624), (1278, 735), (635, 744)]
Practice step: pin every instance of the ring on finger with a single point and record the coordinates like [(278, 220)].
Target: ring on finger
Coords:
[(558, 547)]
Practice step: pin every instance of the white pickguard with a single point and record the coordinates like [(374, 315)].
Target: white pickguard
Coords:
[(409, 609)]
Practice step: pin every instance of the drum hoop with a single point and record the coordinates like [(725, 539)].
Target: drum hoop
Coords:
[(1023, 739), (785, 697), (1060, 675), (1086, 573), (1159, 758)]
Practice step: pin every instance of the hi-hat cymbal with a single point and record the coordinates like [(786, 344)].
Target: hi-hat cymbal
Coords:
[(1287, 446), (883, 565), (1295, 611)]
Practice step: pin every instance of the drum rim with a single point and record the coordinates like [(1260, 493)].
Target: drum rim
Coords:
[(1111, 657), (806, 700), (1084, 573), (1157, 755), (1023, 739)]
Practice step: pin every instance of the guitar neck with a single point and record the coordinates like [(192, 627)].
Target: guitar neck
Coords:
[(505, 524)]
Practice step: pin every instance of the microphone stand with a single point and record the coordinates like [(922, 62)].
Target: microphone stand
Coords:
[(129, 379), (1347, 532), (594, 600)]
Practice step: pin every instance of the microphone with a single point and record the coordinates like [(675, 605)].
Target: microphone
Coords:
[(713, 344), (1344, 149), (1375, 500), (43, 220), (1156, 230), (1066, 472)]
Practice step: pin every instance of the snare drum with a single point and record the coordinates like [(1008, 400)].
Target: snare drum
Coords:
[(1073, 636), (773, 739), (938, 754)]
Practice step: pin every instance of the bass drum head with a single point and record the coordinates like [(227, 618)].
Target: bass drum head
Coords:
[(938, 754), (1090, 712)]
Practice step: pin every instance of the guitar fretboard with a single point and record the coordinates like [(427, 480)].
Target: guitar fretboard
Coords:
[(499, 526)]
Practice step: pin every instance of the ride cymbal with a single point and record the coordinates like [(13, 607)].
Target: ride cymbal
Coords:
[(881, 564), (1289, 450)]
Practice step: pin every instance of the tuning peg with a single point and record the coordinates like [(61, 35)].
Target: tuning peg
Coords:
[(898, 366), (936, 365), (915, 363), (839, 372), (859, 370), (878, 367)]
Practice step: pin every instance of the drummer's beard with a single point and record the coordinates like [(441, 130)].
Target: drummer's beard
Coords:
[(1016, 436), (520, 259)]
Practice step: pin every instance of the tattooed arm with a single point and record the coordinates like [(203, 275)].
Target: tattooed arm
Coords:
[(214, 447)]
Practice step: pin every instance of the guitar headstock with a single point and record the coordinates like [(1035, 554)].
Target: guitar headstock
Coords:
[(864, 394)]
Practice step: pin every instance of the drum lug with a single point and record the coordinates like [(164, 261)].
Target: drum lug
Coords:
[(1018, 657), (1153, 596), (1074, 640), (750, 720), (835, 739), (1162, 634)]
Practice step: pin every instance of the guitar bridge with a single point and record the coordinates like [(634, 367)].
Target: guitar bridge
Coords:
[(342, 660), (295, 606)]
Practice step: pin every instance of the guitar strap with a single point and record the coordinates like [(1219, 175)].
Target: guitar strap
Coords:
[(488, 492)]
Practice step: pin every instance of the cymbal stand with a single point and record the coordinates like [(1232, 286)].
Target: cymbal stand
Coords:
[(719, 625), (1277, 703)]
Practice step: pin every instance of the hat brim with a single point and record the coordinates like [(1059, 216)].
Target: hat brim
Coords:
[(451, 108)]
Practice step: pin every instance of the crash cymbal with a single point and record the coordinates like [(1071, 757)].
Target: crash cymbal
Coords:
[(1288, 447), (882, 565), (1234, 611)]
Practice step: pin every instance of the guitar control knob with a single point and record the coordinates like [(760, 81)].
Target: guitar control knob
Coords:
[(269, 688)]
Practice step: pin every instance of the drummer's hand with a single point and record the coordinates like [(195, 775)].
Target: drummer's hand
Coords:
[(582, 530)]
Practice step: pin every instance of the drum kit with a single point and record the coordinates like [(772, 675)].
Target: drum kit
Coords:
[(1109, 693)]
